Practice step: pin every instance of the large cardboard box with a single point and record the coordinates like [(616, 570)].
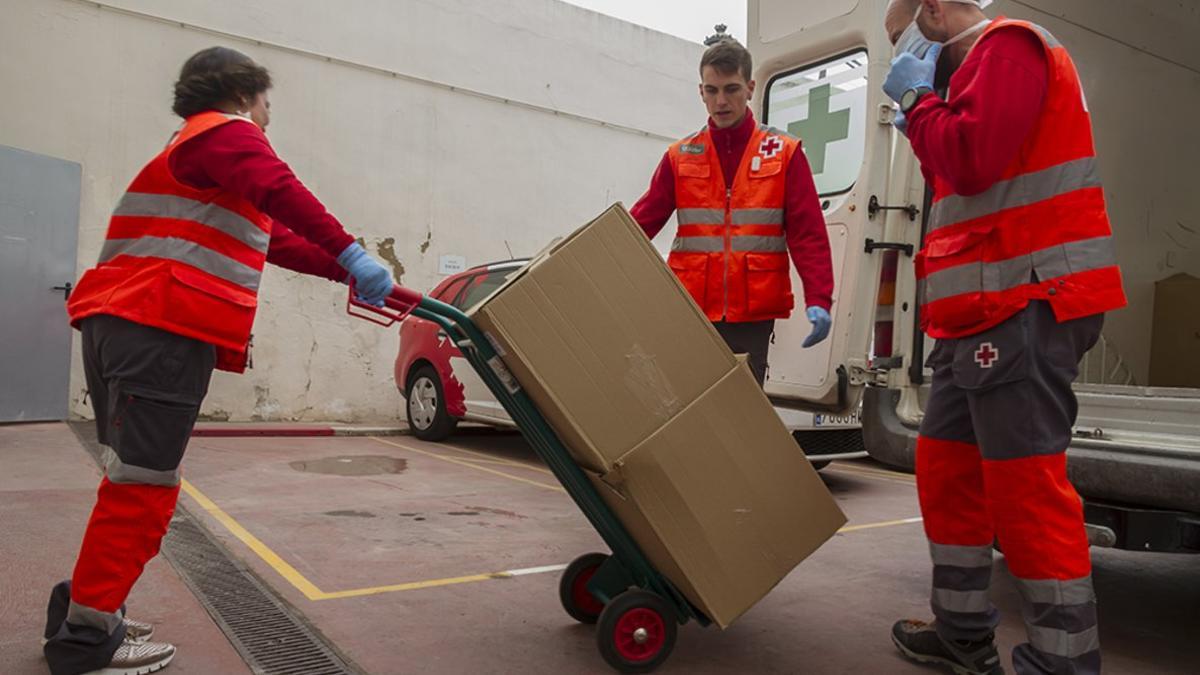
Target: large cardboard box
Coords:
[(672, 429), (603, 339), (721, 499), (1175, 339)]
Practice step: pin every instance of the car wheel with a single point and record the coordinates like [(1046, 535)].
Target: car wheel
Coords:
[(426, 406)]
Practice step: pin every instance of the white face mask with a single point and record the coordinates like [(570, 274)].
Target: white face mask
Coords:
[(914, 42)]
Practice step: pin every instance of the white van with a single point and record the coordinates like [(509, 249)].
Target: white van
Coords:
[(1135, 459)]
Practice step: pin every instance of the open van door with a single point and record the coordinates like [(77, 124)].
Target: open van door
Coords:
[(818, 67)]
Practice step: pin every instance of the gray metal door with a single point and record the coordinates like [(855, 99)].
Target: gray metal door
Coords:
[(39, 223)]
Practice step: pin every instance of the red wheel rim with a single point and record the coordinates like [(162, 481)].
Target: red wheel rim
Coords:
[(583, 599), (639, 635)]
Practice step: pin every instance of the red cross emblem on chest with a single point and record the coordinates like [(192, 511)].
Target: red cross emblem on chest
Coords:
[(987, 355), (770, 146)]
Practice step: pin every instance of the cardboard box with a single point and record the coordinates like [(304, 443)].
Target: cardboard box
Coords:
[(721, 499), (1175, 339), (603, 339)]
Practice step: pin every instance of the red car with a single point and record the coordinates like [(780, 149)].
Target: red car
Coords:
[(439, 386)]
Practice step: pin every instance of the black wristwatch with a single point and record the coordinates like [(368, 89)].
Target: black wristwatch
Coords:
[(910, 97)]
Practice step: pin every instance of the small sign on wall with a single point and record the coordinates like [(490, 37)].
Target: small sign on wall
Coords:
[(451, 264)]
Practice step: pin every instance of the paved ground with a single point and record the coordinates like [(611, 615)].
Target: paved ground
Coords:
[(391, 548), (47, 488)]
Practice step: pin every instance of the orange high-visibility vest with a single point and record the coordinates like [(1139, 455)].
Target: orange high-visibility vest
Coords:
[(730, 251), (1040, 233), (181, 259)]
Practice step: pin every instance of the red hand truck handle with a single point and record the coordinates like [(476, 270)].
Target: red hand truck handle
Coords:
[(397, 306)]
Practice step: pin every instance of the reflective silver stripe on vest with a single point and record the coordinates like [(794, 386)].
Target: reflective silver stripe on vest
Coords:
[(1050, 263), (960, 556), (120, 472), (1050, 39), (1061, 643), (963, 602), (1057, 591), (187, 252), (753, 243), (82, 615), (143, 204), (700, 216), (743, 243), (1023, 190), (757, 217)]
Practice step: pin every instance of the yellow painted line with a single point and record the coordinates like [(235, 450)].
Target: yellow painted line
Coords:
[(289, 573), (873, 475), (877, 472), (501, 460), (308, 588), (312, 592), (469, 465), (886, 523), (434, 583), (505, 462)]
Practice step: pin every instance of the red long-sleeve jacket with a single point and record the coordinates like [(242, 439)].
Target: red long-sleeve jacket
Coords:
[(305, 237), (803, 223), (995, 99)]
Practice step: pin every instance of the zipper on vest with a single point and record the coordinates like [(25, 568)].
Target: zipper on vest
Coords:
[(725, 276)]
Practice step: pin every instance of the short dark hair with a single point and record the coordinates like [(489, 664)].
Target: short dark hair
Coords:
[(216, 75), (728, 56)]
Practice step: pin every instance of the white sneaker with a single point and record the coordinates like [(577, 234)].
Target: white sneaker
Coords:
[(135, 631), (138, 658), (138, 631)]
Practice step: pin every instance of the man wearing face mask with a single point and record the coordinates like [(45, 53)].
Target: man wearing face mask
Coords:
[(1016, 272), (745, 200)]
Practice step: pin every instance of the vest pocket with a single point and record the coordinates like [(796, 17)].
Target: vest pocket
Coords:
[(692, 271), (194, 301), (952, 294), (768, 286)]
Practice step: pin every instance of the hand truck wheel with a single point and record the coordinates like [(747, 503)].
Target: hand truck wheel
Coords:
[(573, 592), (636, 631)]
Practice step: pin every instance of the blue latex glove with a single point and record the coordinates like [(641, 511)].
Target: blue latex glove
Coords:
[(821, 321), (909, 72), (373, 281), (900, 121)]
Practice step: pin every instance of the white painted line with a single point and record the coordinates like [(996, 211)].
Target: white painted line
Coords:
[(536, 570)]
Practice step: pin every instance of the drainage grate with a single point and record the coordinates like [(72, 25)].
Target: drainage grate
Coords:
[(269, 635)]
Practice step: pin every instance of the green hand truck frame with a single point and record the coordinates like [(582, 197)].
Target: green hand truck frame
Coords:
[(637, 611)]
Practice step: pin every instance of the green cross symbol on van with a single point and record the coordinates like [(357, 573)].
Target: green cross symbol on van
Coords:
[(821, 127)]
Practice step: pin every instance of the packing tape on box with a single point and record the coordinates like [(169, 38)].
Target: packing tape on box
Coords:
[(646, 381)]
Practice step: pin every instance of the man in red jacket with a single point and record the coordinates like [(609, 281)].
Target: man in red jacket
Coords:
[(745, 200), (1017, 270), (172, 297)]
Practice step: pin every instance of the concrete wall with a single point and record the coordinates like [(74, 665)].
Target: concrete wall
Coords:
[(428, 128)]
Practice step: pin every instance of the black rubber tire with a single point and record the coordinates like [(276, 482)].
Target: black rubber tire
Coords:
[(611, 621), (568, 589), (443, 423)]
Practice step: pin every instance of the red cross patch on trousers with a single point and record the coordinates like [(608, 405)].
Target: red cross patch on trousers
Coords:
[(987, 355)]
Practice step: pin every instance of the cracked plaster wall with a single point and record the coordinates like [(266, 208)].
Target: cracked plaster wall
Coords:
[(415, 171)]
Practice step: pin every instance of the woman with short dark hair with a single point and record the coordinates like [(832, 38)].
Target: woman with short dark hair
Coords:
[(172, 297)]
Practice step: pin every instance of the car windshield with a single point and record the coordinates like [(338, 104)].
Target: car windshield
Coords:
[(482, 286)]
